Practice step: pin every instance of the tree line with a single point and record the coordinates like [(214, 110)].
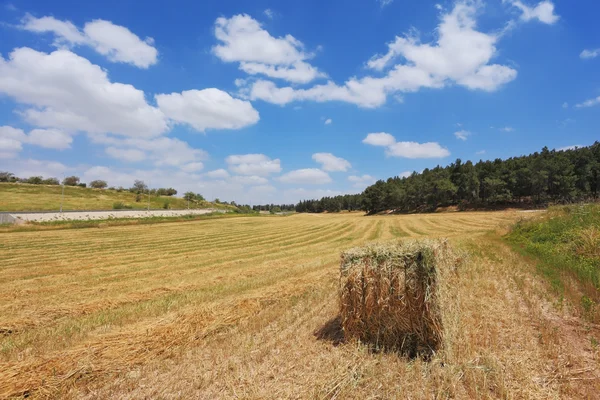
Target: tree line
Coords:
[(138, 187), (558, 176)]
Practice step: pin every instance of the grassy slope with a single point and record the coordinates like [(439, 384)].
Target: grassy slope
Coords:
[(25, 197), (566, 241), (246, 307)]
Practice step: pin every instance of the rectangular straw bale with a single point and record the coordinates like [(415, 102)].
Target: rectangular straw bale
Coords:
[(389, 294)]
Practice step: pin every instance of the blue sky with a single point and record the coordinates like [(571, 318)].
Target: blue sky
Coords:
[(270, 101)]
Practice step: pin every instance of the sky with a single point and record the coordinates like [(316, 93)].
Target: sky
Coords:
[(271, 101)]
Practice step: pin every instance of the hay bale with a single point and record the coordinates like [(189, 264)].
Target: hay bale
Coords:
[(390, 295)]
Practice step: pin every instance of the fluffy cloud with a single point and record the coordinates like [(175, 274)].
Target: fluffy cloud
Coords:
[(543, 11), (507, 129), (207, 109), (244, 40), (587, 54), (217, 174), (461, 55), (361, 182), (589, 103), (328, 121), (406, 149), (68, 92), (29, 167), (163, 151), (329, 162), (250, 180), (462, 135), (253, 164), (12, 140), (115, 42), (312, 176), (379, 139)]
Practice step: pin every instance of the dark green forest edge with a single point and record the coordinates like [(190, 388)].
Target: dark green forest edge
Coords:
[(538, 179), (566, 245)]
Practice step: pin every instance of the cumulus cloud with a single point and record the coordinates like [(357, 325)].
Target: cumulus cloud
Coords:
[(588, 54), (207, 109), (543, 11), (253, 164), (243, 40), (115, 42), (361, 181), (462, 135), (67, 92), (312, 176), (163, 151), (250, 180), (461, 55), (328, 121), (12, 140), (217, 174), (331, 163), (589, 103), (405, 149), (379, 139)]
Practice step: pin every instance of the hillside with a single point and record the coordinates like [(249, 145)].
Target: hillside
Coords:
[(566, 244), (26, 197)]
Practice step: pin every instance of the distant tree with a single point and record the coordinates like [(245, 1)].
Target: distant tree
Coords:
[(139, 186), (6, 176), (71, 181), (35, 180), (51, 181), (82, 185), (98, 184)]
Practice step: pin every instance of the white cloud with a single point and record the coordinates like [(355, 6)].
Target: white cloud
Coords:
[(573, 147), (507, 129), (462, 135), (461, 55), (250, 180), (405, 174), (565, 105), (295, 195), (417, 150), (329, 162), (115, 42), (480, 152), (543, 11), (312, 176), (269, 13), (29, 167), (207, 109), (244, 40), (328, 121), (384, 3), (12, 140), (127, 155), (406, 149), (50, 139), (163, 151), (68, 92), (253, 164), (217, 174), (379, 139), (361, 182), (589, 103), (588, 54)]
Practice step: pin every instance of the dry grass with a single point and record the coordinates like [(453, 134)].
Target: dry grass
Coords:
[(246, 308)]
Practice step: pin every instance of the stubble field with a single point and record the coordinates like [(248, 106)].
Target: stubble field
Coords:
[(246, 308)]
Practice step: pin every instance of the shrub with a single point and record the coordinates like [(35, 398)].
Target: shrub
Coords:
[(138, 197), (119, 205), (51, 181), (166, 205), (98, 184), (35, 180), (71, 181)]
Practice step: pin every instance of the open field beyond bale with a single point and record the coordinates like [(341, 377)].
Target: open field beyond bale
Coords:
[(248, 308)]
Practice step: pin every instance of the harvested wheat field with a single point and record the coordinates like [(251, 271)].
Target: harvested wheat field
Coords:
[(248, 308)]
